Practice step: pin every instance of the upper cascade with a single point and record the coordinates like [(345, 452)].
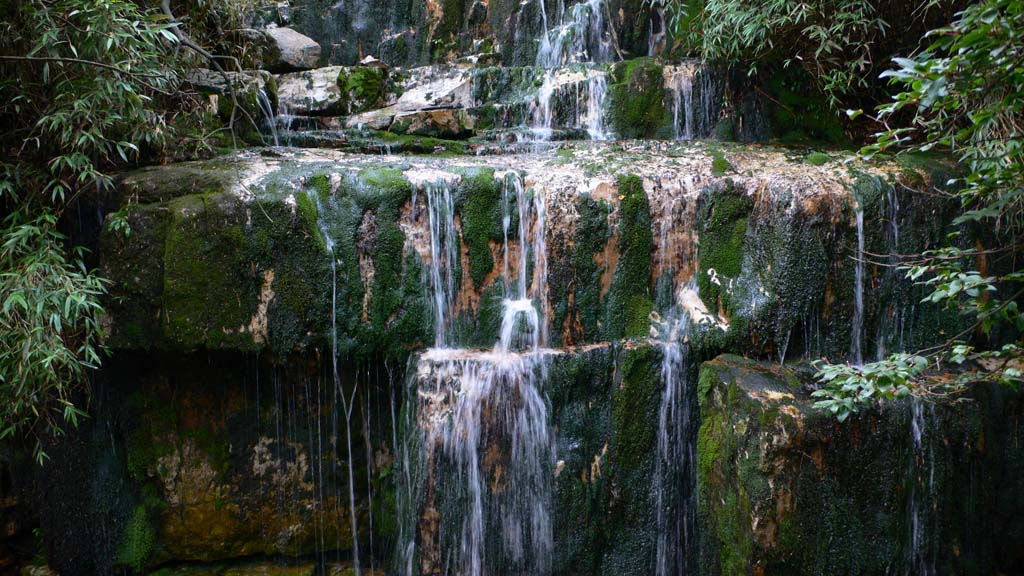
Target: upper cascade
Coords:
[(580, 35)]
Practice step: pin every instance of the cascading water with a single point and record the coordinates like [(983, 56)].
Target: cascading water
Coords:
[(345, 401), (268, 113), (444, 256), (482, 416), (857, 335), (922, 493), (597, 92), (674, 483), (893, 320), (674, 476), (682, 106), (695, 96), (581, 37)]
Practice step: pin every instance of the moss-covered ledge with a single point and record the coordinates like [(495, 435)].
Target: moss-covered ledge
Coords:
[(231, 253), (787, 489)]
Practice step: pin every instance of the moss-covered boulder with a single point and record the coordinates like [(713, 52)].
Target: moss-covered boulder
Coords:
[(636, 100), (785, 488)]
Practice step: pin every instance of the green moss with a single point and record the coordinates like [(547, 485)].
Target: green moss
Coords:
[(309, 215), (137, 540), (478, 205), (364, 87), (723, 230), (719, 165), (628, 301), (817, 158), (209, 289), (592, 235), (488, 321), (636, 100), (635, 407)]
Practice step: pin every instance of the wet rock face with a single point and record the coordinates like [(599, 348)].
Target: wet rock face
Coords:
[(404, 33), (787, 489), (232, 253), (604, 401), (209, 459)]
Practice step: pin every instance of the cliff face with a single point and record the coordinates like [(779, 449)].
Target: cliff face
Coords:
[(253, 264), (236, 259), (509, 298), (405, 33)]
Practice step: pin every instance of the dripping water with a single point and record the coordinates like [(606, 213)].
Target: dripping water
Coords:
[(922, 492), (857, 334), (346, 401)]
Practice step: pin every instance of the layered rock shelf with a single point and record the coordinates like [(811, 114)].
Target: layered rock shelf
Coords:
[(503, 288)]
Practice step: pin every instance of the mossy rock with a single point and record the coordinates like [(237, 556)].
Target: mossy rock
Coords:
[(364, 87), (786, 488), (636, 100), (628, 303), (723, 230)]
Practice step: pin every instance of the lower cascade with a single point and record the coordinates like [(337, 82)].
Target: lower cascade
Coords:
[(482, 425)]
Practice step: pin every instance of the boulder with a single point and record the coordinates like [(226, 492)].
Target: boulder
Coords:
[(294, 51), (215, 82), (436, 123), (311, 92), (255, 92)]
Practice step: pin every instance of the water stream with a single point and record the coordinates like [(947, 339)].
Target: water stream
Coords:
[(674, 483), (345, 401), (857, 335), (581, 36), (922, 492), (695, 95), (482, 416)]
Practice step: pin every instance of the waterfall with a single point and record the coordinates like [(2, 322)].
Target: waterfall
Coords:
[(268, 113), (482, 416), (444, 256), (674, 482), (922, 493), (587, 105), (541, 115), (892, 321), (346, 401), (581, 37), (597, 92), (857, 334), (695, 93), (682, 105), (674, 476)]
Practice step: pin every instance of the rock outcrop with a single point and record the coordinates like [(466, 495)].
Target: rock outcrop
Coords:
[(290, 51), (786, 489)]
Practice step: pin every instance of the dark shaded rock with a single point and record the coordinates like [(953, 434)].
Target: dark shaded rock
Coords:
[(787, 489)]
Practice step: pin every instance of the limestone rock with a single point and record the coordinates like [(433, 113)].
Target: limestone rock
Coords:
[(216, 82), (436, 123), (311, 92), (294, 51)]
